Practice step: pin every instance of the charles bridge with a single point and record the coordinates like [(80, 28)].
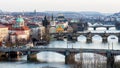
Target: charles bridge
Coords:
[(87, 34)]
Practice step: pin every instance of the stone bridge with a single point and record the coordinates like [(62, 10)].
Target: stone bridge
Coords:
[(69, 53), (87, 34), (105, 26)]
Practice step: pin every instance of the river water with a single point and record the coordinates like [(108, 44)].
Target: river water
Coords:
[(56, 60)]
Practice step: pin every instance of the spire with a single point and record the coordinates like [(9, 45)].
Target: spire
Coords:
[(52, 17), (35, 12), (45, 22), (45, 18)]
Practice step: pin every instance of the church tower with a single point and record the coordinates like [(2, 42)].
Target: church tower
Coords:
[(19, 22)]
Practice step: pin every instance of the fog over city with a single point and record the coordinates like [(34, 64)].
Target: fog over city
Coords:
[(104, 6)]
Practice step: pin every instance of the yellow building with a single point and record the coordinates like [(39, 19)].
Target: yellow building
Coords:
[(59, 28), (3, 32)]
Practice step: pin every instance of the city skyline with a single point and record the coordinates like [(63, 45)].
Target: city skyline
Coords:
[(104, 6)]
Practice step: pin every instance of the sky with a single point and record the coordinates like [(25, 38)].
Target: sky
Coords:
[(104, 6)]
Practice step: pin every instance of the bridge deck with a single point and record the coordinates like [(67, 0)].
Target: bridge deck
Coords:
[(73, 50)]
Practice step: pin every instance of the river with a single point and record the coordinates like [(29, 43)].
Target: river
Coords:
[(56, 60)]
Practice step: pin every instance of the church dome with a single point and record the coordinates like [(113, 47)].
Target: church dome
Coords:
[(19, 20)]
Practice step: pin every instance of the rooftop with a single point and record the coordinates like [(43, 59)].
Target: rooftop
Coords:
[(2, 26)]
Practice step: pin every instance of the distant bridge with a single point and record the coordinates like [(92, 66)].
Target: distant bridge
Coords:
[(106, 26), (87, 34)]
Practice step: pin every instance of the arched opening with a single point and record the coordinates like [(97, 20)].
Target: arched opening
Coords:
[(90, 28), (112, 28), (96, 39), (50, 57), (112, 39), (91, 60), (113, 42), (101, 28), (81, 38)]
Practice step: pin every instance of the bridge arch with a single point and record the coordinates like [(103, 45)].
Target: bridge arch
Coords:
[(76, 56), (50, 56), (54, 52), (96, 38), (112, 28), (90, 28), (101, 28), (112, 38), (81, 37)]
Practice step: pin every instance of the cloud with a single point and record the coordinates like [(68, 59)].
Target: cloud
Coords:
[(56, 5)]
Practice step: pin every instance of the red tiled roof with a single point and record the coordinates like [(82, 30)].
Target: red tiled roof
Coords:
[(2, 26), (25, 27), (22, 28)]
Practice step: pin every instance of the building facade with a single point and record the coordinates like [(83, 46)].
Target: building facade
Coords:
[(19, 30), (3, 33)]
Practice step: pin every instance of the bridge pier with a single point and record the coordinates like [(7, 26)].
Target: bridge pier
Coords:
[(107, 28), (94, 28), (89, 38), (70, 58), (104, 39), (74, 38), (10, 55), (110, 60), (31, 57)]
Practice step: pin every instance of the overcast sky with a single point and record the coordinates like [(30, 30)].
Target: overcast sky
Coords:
[(109, 6)]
